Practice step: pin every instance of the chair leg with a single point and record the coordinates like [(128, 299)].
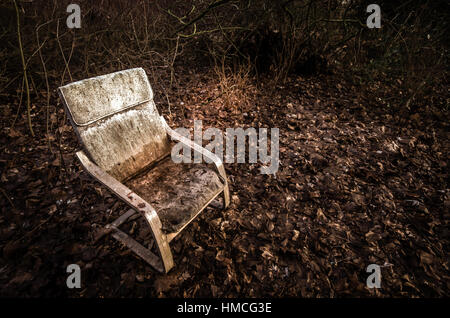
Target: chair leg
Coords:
[(161, 264), (226, 196), (119, 221), (160, 238), (144, 253), (166, 253)]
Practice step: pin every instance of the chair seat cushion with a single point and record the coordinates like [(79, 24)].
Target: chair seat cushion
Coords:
[(177, 191)]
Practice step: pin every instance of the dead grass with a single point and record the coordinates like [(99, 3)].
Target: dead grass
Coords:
[(234, 84)]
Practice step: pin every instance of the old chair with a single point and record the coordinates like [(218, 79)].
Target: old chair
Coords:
[(126, 147)]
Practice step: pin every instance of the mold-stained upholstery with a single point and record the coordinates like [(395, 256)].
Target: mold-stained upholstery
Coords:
[(116, 120)]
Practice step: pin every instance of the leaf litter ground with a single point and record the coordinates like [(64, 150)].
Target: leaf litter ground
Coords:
[(358, 183)]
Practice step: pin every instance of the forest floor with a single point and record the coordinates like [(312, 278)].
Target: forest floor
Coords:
[(359, 183)]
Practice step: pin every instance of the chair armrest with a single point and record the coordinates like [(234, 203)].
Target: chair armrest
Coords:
[(196, 147), (134, 201)]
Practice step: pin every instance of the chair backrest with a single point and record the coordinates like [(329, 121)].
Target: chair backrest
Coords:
[(116, 121)]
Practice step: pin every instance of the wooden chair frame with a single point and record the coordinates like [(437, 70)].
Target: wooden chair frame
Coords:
[(164, 262)]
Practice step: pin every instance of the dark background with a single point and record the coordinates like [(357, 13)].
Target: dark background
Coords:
[(363, 119)]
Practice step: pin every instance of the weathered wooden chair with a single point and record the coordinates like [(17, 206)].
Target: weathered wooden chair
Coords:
[(127, 148)]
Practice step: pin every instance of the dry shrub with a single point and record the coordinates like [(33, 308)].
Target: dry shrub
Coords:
[(234, 84)]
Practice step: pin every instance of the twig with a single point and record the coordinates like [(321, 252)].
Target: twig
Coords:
[(20, 104), (62, 53), (211, 6), (173, 62), (7, 197), (27, 87), (46, 82)]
